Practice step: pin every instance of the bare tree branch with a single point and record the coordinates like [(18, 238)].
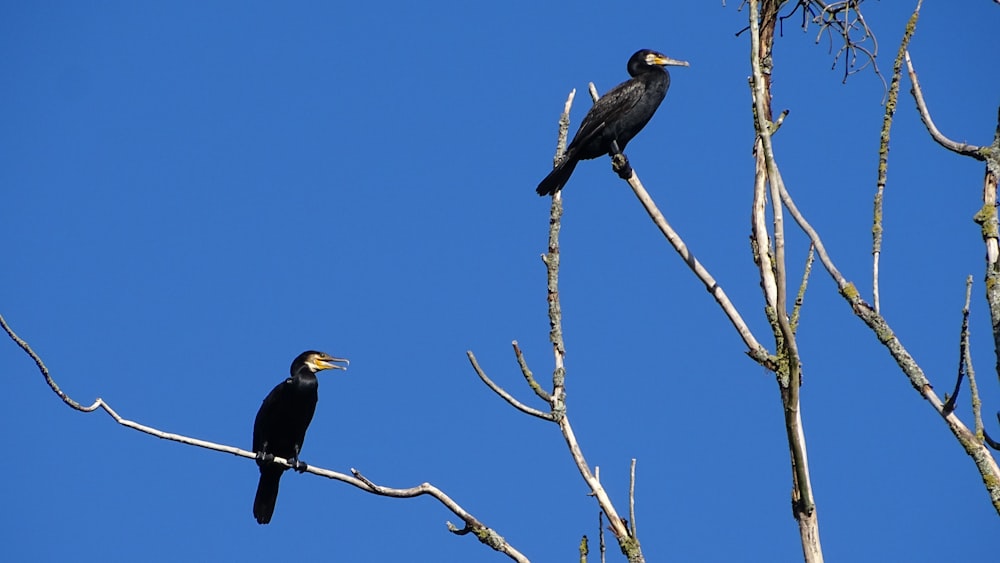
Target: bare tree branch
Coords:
[(989, 225), (528, 376), (754, 348), (45, 371), (984, 461), (801, 296), (975, 444), (761, 239), (803, 499), (883, 150), (600, 533), (974, 151), (484, 533), (628, 543), (631, 499), (977, 405), (504, 394), (963, 350)]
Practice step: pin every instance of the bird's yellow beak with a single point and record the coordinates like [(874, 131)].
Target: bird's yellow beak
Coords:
[(329, 362), (663, 60)]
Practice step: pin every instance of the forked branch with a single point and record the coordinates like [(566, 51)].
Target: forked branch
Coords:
[(773, 275), (556, 399), (976, 450)]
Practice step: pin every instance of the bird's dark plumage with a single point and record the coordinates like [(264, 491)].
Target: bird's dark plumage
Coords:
[(616, 117), (281, 423)]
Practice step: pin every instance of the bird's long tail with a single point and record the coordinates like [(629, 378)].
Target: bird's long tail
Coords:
[(558, 177), (267, 494)]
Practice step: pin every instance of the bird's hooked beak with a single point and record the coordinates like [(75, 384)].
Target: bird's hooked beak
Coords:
[(327, 361), (663, 60)]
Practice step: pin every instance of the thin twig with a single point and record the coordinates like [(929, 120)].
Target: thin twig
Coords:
[(800, 297), (631, 499), (966, 359), (973, 151), (45, 371), (989, 441), (963, 349), (977, 404), (600, 529), (485, 534), (563, 129), (528, 376), (504, 394)]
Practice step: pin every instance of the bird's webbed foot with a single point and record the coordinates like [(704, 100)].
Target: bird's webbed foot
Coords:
[(619, 162), (263, 458), (297, 464)]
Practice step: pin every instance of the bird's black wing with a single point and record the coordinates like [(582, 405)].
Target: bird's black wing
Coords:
[(608, 109), (269, 415)]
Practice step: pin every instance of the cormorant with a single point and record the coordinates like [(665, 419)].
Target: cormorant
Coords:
[(281, 423), (616, 117)]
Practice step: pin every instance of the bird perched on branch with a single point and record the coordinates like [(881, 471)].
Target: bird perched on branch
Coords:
[(281, 423), (616, 117)]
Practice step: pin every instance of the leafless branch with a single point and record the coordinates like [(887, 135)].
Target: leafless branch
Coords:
[(631, 499), (600, 531), (563, 128), (883, 151), (761, 239), (990, 442), (963, 349), (841, 18), (754, 349), (973, 151), (844, 18), (803, 499), (977, 404), (485, 534), (629, 545), (45, 371), (989, 225), (801, 296), (985, 462), (557, 398), (504, 394), (528, 376)]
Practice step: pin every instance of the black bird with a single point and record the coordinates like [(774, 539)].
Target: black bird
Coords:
[(616, 117), (281, 423)]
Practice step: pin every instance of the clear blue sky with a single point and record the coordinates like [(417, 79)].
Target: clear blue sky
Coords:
[(195, 193)]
